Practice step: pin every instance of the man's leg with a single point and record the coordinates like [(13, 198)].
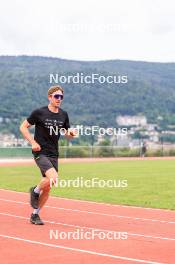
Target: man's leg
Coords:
[(46, 184), (44, 188), (43, 197)]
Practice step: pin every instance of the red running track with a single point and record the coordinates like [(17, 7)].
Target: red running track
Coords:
[(150, 232)]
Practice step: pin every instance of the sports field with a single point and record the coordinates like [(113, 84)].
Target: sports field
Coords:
[(150, 183), (149, 235)]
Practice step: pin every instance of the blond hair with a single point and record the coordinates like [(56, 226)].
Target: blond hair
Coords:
[(55, 88)]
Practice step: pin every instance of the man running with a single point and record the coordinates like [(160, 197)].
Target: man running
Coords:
[(48, 121)]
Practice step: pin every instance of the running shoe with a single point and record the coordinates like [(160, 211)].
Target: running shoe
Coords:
[(34, 198), (36, 220)]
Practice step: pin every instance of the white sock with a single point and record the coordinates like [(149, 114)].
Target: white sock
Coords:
[(37, 190), (36, 211)]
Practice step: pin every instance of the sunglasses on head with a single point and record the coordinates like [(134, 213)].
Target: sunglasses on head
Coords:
[(58, 96)]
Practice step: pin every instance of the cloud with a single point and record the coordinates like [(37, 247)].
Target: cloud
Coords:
[(91, 30)]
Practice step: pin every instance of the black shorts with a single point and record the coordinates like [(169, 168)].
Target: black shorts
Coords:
[(45, 163)]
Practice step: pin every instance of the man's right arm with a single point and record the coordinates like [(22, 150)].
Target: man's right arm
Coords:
[(26, 134)]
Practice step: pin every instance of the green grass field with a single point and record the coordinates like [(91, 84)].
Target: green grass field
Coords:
[(151, 183)]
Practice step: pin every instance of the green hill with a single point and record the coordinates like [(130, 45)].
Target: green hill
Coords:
[(24, 81)]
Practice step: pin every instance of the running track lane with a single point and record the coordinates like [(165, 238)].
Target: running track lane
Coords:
[(151, 235)]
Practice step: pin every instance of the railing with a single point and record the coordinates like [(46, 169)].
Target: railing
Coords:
[(92, 151)]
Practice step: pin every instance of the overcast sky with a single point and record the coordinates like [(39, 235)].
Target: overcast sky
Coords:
[(89, 30)]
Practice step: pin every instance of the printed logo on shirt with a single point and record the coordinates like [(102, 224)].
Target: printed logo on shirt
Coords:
[(54, 126)]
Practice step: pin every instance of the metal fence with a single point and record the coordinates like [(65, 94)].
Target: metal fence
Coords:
[(92, 151)]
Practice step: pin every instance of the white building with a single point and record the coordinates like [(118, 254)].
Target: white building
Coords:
[(131, 120)]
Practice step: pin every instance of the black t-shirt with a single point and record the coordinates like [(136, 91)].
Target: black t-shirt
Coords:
[(47, 129)]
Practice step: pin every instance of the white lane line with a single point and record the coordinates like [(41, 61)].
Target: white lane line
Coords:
[(91, 228), (98, 203), (97, 213), (81, 250)]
